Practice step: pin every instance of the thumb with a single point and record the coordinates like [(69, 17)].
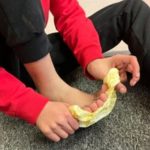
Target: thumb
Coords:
[(120, 87)]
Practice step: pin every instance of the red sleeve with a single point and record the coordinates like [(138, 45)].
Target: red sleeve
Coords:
[(17, 100), (77, 30)]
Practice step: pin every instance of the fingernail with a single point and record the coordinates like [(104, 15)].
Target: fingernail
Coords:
[(122, 90), (138, 75), (133, 83)]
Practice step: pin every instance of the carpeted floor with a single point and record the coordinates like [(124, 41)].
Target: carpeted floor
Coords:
[(126, 128)]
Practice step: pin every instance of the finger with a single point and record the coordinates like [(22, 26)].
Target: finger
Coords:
[(60, 132), (135, 76), (51, 135), (73, 122), (121, 88), (129, 68), (68, 128), (123, 77), (65, 125), (131, 65), (135, 79), (134, 68)]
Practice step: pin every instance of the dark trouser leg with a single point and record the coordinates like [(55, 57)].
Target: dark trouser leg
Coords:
[(7, 58), (128, 20), (62, 57), (10, 62)]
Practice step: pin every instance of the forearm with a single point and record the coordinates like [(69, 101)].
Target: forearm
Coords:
[(45, 76)]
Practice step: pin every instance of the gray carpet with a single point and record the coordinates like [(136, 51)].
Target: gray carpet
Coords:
[(126, 128)]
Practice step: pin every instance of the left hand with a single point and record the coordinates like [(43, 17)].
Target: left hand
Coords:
[(124, 63)]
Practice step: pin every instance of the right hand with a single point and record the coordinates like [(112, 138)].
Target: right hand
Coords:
[(56, 122), (124, 63)]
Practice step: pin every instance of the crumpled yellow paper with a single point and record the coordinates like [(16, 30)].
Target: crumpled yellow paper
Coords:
[(86, 118)]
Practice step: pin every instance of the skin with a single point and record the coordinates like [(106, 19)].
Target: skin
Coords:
[(125, 63), (57, 125), (60, 124), (50, 84)]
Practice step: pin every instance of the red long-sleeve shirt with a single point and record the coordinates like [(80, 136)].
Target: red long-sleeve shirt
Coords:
[(76, 30)]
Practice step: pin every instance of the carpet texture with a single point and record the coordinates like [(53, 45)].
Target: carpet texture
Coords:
[(126, 128)]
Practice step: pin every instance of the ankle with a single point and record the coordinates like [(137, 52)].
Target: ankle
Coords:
[(78, 97)]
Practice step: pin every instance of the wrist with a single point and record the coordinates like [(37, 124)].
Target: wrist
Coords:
[(99, 67), (90, 66)]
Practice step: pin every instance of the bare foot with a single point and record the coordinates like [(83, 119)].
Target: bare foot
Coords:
[(62, 92), (85, 100), (94, 105)]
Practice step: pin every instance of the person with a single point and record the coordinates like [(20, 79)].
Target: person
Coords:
[(26, 51)]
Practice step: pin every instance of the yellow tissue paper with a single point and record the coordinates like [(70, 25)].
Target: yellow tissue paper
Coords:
[(86, 118)]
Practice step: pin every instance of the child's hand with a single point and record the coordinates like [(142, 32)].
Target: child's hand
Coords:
[(125, 63), (56, 122)]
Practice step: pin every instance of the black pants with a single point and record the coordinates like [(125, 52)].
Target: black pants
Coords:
[(128, 20)]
